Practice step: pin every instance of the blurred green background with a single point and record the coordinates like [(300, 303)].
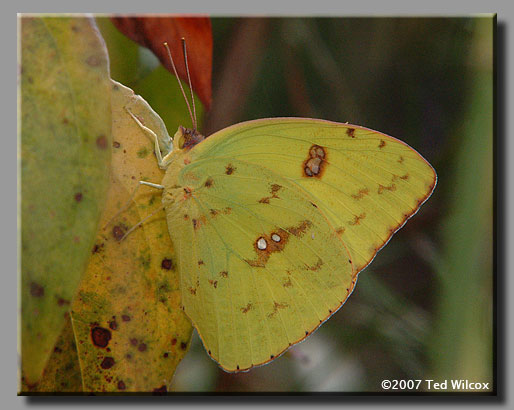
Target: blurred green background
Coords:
[(424, 308)]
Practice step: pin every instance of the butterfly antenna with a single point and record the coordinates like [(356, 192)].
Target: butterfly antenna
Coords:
[(189, 79), (180, 84)]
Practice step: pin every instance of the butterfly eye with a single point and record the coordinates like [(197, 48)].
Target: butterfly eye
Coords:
[(261, 244)]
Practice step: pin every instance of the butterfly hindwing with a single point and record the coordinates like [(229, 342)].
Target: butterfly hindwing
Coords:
[(261, 266)]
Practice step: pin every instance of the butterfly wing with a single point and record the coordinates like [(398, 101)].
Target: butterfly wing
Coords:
[(261, 267), (366, 183)]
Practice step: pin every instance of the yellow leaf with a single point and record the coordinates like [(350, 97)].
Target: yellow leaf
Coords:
[(130, 330)]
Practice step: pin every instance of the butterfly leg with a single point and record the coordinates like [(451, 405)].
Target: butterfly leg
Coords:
[(162, 162), (125, 207)]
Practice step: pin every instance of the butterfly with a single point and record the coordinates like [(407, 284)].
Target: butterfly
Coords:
[(273, 219)]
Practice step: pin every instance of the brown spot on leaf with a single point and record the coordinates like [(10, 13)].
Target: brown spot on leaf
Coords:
[(101, 142), (113, 325), (61, 302), (357, 219), (97, 248), (121, 385), (173, 342), (350, 132), (133, 341), (78, 196), (183, 345), (229, 169), (160, 390), (107, 363), (125, 318), (361, 193), (315, 164), (166, 264), (382, 144), (37, 290), (165, 355), (116, 144), (57, 349), (247, 308), (100, 336), (118, 232), (142, 347)]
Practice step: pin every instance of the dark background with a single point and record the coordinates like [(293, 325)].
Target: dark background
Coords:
[(424, 308)]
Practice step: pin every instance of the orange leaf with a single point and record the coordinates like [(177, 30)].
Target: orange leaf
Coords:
[(152, 32)]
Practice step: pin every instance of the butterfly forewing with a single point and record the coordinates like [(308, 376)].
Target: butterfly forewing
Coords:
[(261, 266), (366, 183)]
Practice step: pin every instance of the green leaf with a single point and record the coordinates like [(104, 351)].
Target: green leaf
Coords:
[(62, 372), (65, 157)]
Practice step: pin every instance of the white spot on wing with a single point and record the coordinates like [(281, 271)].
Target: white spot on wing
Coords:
[(275, 237), (261, 244)]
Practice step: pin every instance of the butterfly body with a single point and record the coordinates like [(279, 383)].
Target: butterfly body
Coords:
[(272, 221)]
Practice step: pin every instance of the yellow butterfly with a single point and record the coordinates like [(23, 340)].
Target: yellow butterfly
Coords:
[(273, 219)]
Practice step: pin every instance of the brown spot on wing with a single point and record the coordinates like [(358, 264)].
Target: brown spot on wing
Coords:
[(382, 188), (201, 262), (262, 255), (350, 132), (247, 308), (276, 307), (361, 193), (340, 230), (192, 291), (197, 223), (300, 229), (224, 274), (315, 164), (214, 283), (209, 182), (273, 190), (400, 160), (357, 219), (382, 144), (229, 169), (315, 267)]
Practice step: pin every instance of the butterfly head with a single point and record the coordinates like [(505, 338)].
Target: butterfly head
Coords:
[(187, 138)]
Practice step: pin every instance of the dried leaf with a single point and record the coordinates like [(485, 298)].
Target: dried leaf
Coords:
[(152, 32), (127, 319), (65, 156)]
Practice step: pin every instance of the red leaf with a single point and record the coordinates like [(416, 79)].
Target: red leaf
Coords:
[(152, 32)]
